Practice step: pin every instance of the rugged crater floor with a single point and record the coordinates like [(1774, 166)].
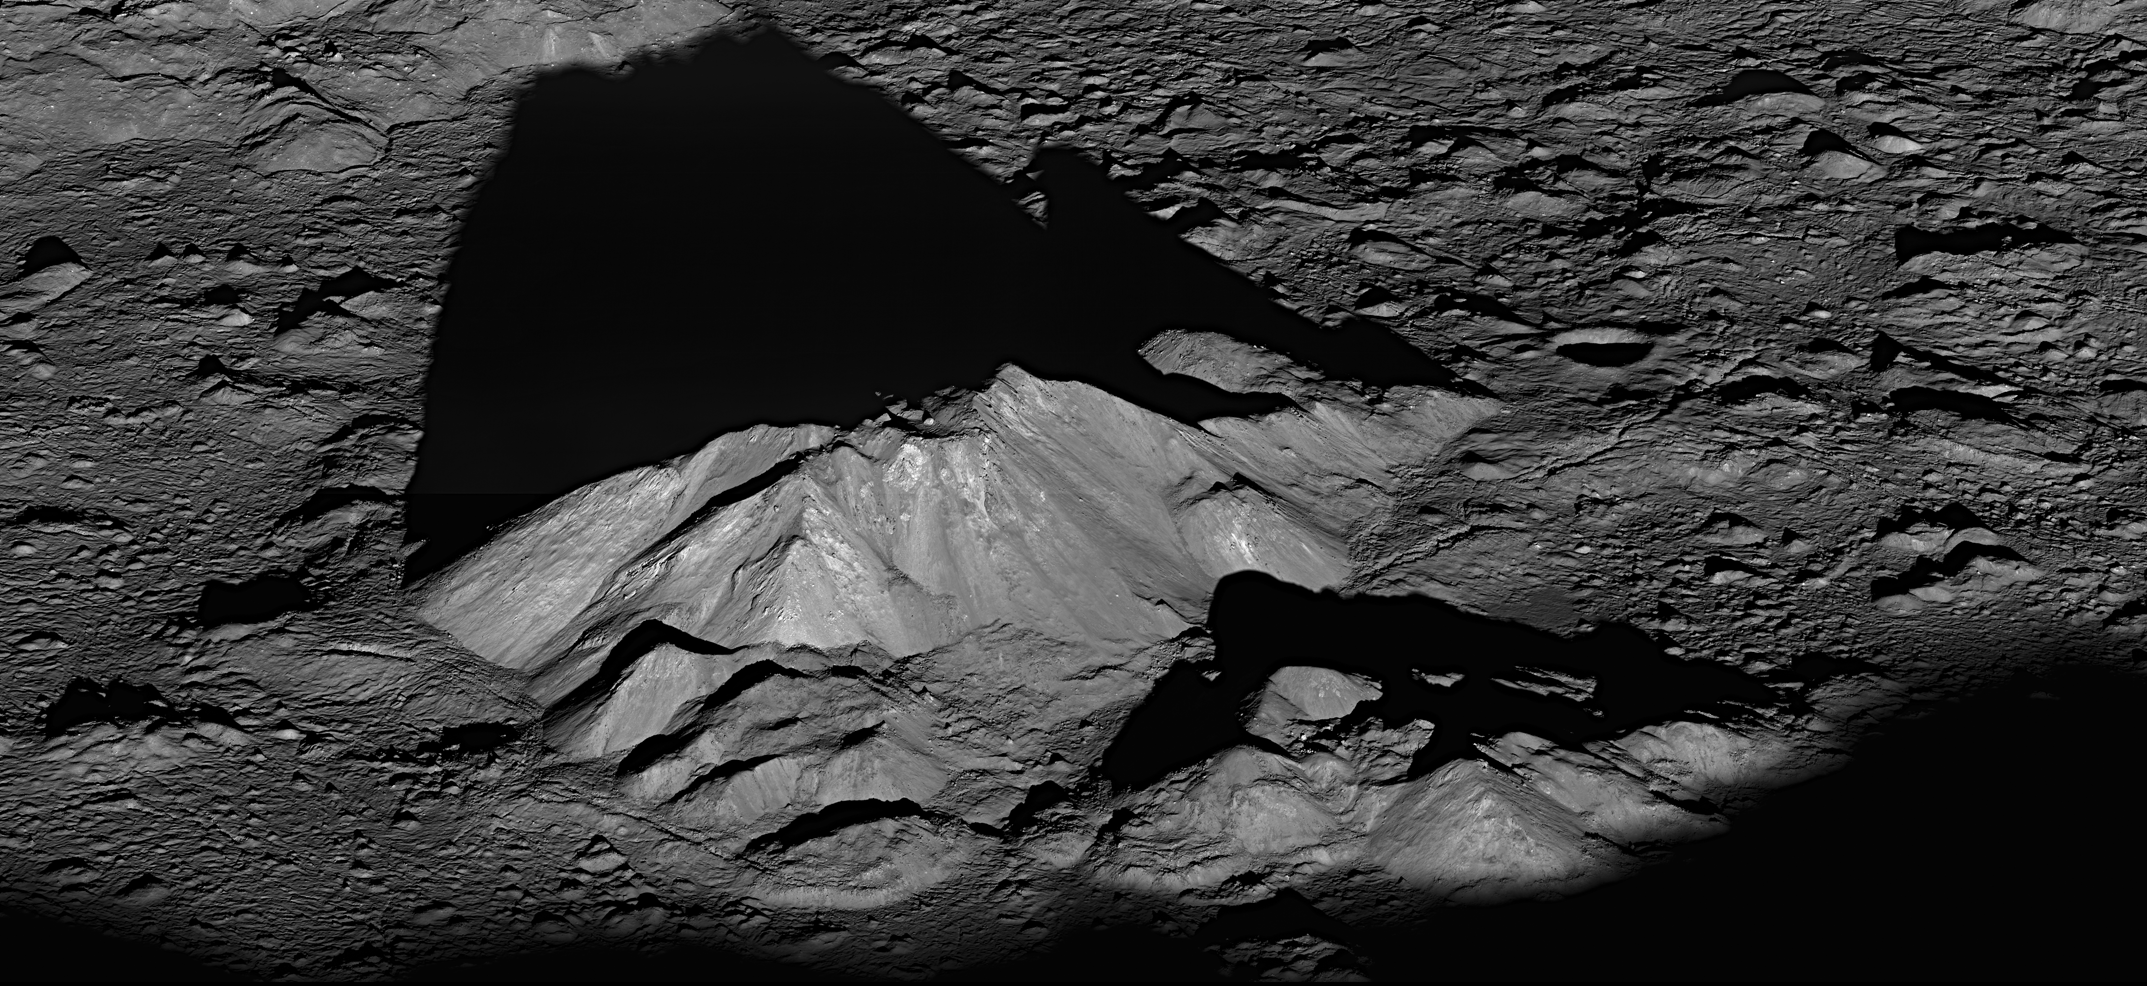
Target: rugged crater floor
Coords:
[(1188, 490)]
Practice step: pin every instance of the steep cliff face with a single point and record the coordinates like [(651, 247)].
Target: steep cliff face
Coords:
[(1048, 506)]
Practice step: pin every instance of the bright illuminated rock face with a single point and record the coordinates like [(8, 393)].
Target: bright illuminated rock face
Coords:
[(725, 629), (1048, 507)]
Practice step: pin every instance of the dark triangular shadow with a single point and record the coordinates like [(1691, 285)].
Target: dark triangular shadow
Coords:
[(1143, 278), (47, 251), (737, 238)]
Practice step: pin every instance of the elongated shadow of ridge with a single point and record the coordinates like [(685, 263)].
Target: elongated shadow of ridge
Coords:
[(735, 238), (1961, 845), (1261, 623), (646, 637)]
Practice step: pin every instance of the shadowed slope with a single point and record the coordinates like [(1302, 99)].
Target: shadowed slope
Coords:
[(739, 239)]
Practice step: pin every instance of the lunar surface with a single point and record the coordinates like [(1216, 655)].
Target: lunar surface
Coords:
[(1284, 492)]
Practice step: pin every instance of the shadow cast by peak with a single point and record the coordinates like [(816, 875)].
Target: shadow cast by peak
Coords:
[(1261, 623), (734, 237), (1138, 276)]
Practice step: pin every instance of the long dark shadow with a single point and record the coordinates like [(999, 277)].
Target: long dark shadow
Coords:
[(1146, 277), (739, 238), (1261, 623)]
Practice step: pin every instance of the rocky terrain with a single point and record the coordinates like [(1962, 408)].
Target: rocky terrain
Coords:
[(1612, 489)]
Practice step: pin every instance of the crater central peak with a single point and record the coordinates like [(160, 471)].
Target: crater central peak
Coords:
[(1042, 504)]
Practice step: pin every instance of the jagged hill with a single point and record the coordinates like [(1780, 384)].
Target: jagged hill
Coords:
[(1048, 506)]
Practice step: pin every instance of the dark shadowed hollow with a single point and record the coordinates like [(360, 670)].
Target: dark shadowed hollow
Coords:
[(738, 238)]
